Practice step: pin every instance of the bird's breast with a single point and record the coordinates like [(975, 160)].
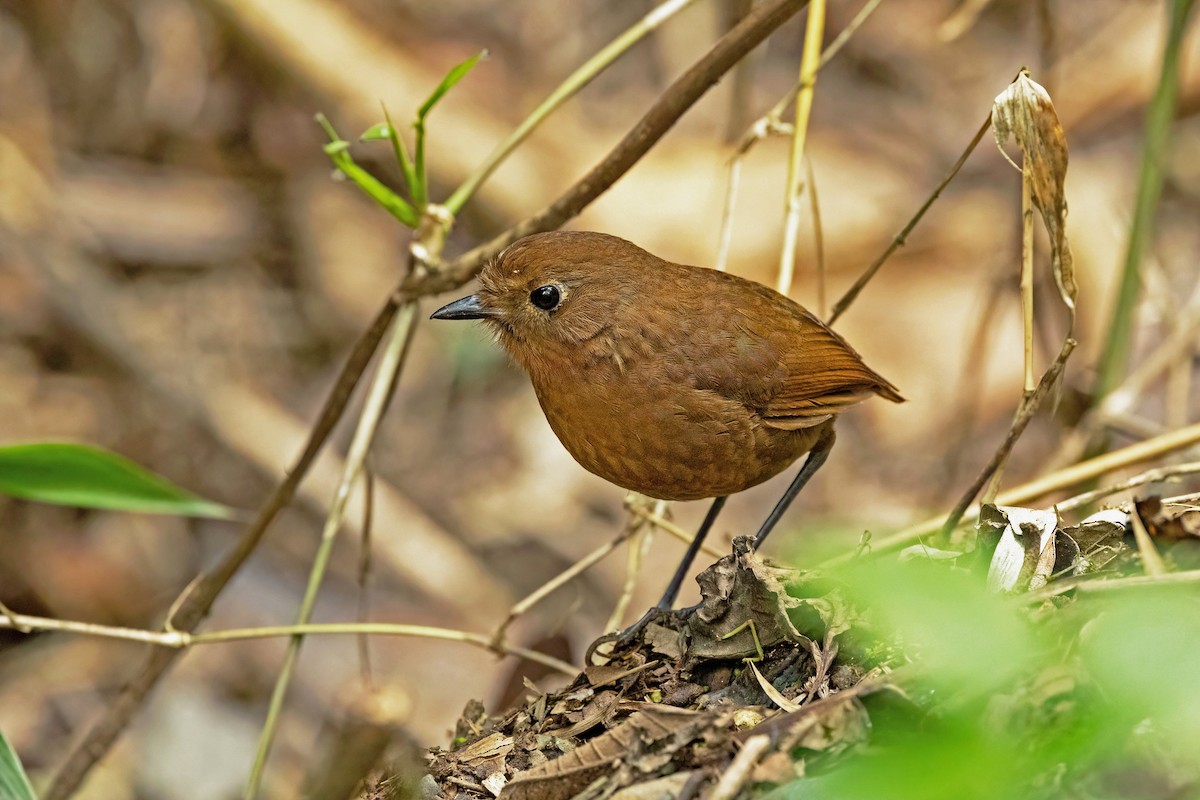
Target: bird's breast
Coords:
[(663, 438)]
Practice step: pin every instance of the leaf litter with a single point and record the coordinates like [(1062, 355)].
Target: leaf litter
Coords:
[(668, 715)]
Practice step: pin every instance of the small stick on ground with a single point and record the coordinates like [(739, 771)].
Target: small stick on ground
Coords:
[(1152, 562), (735, 777)]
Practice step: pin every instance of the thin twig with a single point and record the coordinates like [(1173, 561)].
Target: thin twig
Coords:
[(180, 640), (818, 237), (539, 594), (1029, 406), (676, 531), (29, 623), (738, 772), (725, 240), (852, 293), (1141, 479), (11, 616), (840, 41)]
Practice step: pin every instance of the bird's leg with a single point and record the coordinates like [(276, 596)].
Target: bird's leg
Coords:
[(685, 565), (681, 572), (816, 457)]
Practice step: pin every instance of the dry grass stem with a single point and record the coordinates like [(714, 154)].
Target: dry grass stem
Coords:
[(676, 531), (1054, 482), (363, 610), (1090, 584), (810, 60), (770, 124), (642, 537), (379, 395), (180, 640), (1152, 561), (576, 569), (1149, 476)]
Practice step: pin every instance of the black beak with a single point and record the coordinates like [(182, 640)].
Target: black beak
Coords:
[(468, 307)]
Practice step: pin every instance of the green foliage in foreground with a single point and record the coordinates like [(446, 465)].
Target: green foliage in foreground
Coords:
[(81, 475), (14, 784), (1090, 698)]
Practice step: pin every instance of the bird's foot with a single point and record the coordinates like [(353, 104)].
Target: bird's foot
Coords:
[(626, 640)]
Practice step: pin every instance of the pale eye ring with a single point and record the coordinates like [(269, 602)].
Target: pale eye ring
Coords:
[(547, 297)]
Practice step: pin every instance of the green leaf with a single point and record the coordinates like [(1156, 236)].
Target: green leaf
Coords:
[(14, 783), (455, 75), (338, 151), (378, 131), (90, 477), (452, 77)]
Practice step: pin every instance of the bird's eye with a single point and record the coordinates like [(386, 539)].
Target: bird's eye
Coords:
[(546, 297)]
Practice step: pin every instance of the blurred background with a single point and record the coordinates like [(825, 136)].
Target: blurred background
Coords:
[(181, 278)]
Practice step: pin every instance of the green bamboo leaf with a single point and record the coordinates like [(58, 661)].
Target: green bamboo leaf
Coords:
[(378, 131), (90, 477), (455, 75), (338, 151), (14, 783)]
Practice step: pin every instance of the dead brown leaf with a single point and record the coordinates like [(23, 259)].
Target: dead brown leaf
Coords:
[(1025, 112)]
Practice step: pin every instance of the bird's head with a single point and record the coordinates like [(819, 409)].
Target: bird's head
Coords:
[(550, 292)]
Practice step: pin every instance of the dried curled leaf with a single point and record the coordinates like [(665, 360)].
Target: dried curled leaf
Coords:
[(1025, 554), (1025, 112)]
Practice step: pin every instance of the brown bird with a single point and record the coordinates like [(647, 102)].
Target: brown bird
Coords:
[(678, 382)]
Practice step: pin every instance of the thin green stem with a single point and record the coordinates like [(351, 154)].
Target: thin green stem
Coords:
[(401, 153), (420, 188), (1154, 149), (378, 395), (576, 81)]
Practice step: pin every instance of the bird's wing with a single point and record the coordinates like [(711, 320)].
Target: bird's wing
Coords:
[(823, 376)]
